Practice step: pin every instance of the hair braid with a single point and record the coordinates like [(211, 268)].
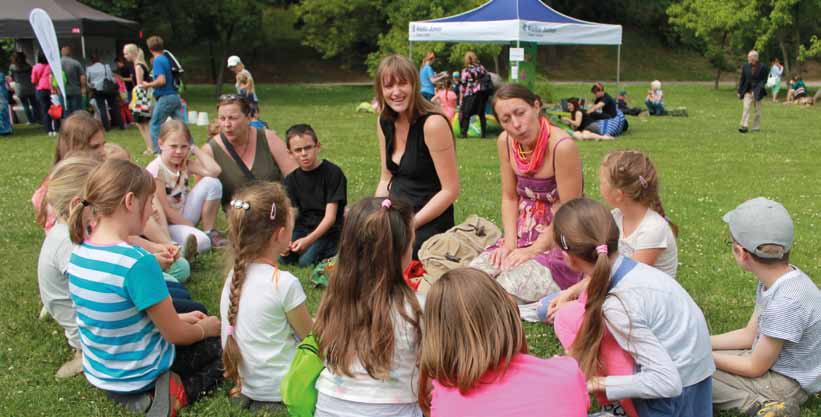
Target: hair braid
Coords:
[(231, 354)]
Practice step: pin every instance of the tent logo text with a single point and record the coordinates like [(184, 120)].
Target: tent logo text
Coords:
[(536, 28)]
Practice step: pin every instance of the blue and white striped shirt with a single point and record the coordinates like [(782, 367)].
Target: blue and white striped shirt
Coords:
[(111, 287), (790, 310)]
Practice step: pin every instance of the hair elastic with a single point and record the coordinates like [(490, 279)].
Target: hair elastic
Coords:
[(239, 204), (85, 203), (273, 210), (386, 203), (643, 181), (229, 330), (601, 249), (564, 242)]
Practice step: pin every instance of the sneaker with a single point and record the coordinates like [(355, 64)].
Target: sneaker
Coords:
[(189, 248), (742, 129), (73, 366), (218, 241), (43, 314), (777, 409), (614, 409)]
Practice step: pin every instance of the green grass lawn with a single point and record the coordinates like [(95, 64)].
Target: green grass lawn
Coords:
[(706, 169)]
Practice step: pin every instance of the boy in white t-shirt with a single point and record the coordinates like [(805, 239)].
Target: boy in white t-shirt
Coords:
[(771, 366)]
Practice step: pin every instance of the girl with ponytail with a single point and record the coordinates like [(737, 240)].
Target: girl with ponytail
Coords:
[(135, 345), (630, 312), (368, 322), (262, 307)]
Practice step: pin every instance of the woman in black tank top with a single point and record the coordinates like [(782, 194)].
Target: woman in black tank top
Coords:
[(417, 150)]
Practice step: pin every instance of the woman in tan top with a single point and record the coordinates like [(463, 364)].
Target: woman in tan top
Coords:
[(262, 153)]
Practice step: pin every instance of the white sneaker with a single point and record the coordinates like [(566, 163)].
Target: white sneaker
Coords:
[(43, 314), (73, 366)]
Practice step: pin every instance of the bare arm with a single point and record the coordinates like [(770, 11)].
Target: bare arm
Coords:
[(158, 82), (279, 151), (384, 175), (647, 256), (755, 365), (173, 216), (300, 320), (204, 165), (440, 142), (596, 107), (737, 339), (139, 77), (176, 329), (510, 200)]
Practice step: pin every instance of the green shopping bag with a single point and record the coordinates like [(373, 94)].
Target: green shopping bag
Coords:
[(298, 387)]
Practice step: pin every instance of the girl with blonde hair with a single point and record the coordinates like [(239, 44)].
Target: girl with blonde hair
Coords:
[(140, 108), (474, 357), (262, 307)]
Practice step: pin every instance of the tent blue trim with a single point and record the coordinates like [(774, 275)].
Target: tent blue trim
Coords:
[(533, 10)]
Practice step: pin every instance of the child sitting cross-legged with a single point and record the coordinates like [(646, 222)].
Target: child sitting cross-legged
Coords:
[(136, 347), (318, 190), (262, 307), (771, 366)]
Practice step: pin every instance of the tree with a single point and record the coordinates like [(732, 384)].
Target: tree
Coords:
[(346, 28), (721, 27)]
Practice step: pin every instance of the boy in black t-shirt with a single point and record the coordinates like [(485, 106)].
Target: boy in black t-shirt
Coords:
[(318, 189), (604, 107)]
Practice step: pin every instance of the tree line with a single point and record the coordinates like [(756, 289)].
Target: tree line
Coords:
[(360, 32)]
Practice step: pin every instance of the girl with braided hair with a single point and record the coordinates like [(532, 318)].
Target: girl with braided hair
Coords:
[(262, 307)]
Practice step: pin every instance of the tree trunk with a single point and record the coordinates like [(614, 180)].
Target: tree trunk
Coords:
[(718, 77), (224, 44), (496, 61), (211, 60), (786, 60), (798, 64)]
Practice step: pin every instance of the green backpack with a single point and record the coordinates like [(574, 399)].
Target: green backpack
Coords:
[(298, 389)]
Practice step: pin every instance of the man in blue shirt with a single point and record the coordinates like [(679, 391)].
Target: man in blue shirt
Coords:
[(168, 99)]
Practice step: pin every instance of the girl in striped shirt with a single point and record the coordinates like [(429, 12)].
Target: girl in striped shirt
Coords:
[(127, 322)]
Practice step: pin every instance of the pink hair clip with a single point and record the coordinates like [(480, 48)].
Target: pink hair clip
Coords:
[(229, 331), (386, 203), (601, 249), (643, 181)]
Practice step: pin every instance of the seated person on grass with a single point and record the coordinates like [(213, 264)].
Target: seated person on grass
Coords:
[(773, 364), (318, 190)]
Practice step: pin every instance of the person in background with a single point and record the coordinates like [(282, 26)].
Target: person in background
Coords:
[(41, 78), (473, 98), (142, 110), (774, 80), (584, 128), (168, 102), (244, 83), (108, 102), (751, 90), (5, 99), (445, 97), (125, 70), (426, 74), (797, 89), (20, 73), (655, 99), (604, 107), (75, 81)]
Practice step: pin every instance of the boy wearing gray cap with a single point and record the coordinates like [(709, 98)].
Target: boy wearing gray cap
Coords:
[(772, 365)]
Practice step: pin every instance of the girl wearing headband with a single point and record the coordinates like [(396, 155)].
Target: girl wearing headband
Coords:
[(631, 312), (262, 307)]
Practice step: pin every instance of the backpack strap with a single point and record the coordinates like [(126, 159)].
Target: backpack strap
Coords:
[(624, 268)]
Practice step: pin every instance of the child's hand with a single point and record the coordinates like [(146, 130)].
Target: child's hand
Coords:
[(211, 324), (300, 245), (563, 298), (192, 317), (518, 257), (164, 259)]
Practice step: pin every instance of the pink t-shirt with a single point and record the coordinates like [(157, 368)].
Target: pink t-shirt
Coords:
[(41, 76), (447, 100), (530, 387)]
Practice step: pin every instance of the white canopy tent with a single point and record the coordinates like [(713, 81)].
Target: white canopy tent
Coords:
[(503, 21)]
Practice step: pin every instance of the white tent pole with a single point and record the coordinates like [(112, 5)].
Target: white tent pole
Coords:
[(83, 44), (410, 50), (618, 67)]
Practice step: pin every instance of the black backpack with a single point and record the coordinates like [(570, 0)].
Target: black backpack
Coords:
[(486, 82), (177, 71)]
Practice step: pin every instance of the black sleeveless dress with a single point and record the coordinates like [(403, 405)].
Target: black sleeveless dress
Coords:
[(414, 179)]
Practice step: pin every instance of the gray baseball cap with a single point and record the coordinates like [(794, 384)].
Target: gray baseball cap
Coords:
[(761, 221)]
